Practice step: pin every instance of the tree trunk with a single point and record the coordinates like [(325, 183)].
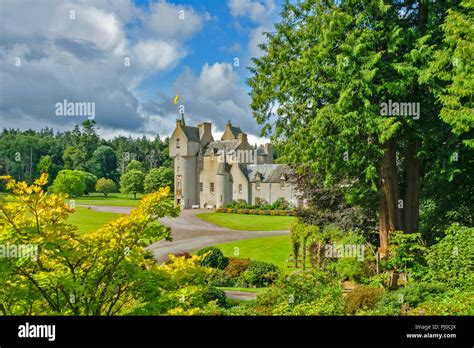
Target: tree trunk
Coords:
[(389, 215), (412, 194)]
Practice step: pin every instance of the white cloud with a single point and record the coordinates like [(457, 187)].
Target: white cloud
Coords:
[(258, 11), (174, 21), (82, 59)]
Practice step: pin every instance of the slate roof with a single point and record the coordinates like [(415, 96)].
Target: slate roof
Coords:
[(235, 131), (215, 146), (269, 172), (192, 133)]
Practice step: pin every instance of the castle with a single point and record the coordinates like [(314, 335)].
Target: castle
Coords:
[(209, 173)]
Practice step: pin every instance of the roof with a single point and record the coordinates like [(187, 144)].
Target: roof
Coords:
[(192, 133), (215, 146), (235, 131), (269, 172)]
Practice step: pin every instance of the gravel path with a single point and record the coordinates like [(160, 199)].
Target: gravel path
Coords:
[(240, 295), (190, 233)]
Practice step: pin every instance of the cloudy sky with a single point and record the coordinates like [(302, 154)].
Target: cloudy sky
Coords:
[(130, 58)]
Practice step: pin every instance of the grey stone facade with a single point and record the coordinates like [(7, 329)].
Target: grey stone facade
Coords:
[(209, 173)]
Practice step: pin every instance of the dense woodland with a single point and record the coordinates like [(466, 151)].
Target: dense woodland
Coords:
[(24, 155)]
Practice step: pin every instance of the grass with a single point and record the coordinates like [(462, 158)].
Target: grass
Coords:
[(248, 222), (273, 249), (88, 220), (114, 199)]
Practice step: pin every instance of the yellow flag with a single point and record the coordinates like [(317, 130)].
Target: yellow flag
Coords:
[(176, 99)]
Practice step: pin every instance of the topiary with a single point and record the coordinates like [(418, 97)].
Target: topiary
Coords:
[(236, 267), (213, 258), (261, 273)]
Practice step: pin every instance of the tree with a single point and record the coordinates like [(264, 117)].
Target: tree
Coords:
[(105, 186), (322, 87), (131, 182), (105, 272), (159, 177), (135, 165), (104, 162), (71, 182), (89, 180)]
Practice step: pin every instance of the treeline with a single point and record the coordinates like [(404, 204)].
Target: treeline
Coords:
[(24, 155)]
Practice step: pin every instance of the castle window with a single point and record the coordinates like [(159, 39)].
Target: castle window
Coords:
[(212, 187), (240, 188), (257, 184), (201, 186), (177, 143), (282, 182)]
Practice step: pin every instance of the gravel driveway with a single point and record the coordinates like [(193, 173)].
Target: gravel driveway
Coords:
[(190, 233)]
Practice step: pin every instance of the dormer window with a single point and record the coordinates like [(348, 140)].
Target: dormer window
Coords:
[(177, 143)]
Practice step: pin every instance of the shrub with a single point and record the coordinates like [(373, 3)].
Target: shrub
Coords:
[(261, 212), (251, 211), (219, 277), (214, 294), (245, 211), (308, 293), (362, 297), (407, 253), (105, 186), (229, 210), (236, 267), (454, 302), (450, 261), (410, 296), (213, 258), (220, 210), (71, 182), (260, 273)]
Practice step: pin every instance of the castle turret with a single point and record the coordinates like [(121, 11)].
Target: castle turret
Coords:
[(223, 183), (184, 146)]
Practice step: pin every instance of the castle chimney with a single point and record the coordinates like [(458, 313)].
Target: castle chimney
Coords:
[(242, 138)]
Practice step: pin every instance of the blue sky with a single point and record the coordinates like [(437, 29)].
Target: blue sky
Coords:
[(75, 50)]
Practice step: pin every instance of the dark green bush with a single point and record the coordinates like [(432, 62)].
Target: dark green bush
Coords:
[(451, 260), (261, 273), (362, 297), (212, 294), (219, 277), (214, 258), (410, 296), (236, 266)]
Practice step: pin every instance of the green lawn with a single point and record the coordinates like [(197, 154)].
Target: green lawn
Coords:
[(273, 249), (248, 222), (88, 220), (114, 199)]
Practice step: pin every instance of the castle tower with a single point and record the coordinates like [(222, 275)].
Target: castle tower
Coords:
[(184, 147), (223, 183)]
